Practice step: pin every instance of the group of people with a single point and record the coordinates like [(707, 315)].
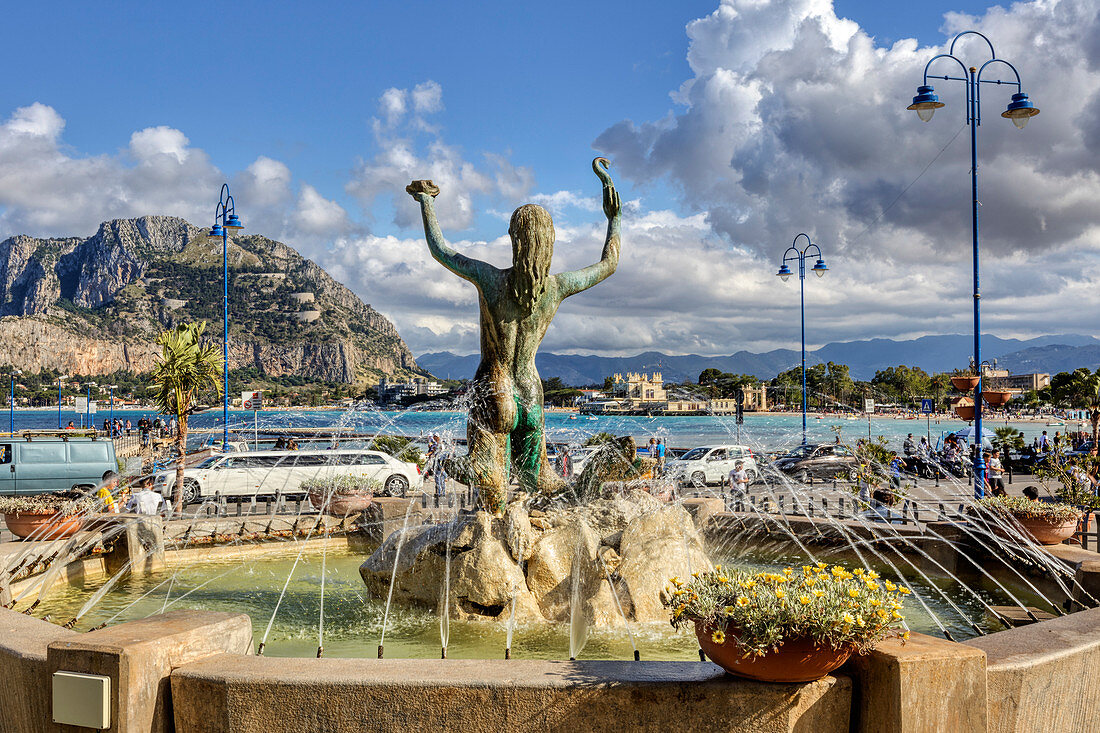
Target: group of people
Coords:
[(116, 496), (656, 450)]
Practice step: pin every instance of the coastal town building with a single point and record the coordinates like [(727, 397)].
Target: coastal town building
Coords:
[(639, 389), (392, 390)]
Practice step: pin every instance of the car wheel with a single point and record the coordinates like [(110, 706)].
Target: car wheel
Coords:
[(190, 492), (698, 479), (396, 485), (852, 475), (109, 475), (753, 477), (802, 476)]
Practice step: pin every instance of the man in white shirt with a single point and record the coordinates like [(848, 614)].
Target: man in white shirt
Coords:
[(739, 479), (996, 471), (146, 501)]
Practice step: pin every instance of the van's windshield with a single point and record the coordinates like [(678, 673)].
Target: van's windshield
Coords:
[(209, 462), (694, 454)]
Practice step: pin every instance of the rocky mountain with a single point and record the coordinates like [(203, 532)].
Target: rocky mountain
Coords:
[(94, 305), (938, 353)]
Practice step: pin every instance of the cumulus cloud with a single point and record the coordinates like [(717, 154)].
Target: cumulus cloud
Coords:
[(794, 119), (410, 146)]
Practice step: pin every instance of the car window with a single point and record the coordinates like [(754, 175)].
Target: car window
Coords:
[(370, 459), (91, 452), (694, 454), (314, 459), (825, 450), (718, 454), (842, 451), (800, 452), (209, 462), (5, 453)]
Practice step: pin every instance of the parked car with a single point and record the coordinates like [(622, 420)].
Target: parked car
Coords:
[(824, 460), (267, 473), (711, 464), (30, 464)]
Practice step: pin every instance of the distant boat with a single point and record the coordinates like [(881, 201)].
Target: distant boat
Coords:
[(1056, 424)]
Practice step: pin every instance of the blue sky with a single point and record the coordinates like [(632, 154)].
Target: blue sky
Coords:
[(718, 120)]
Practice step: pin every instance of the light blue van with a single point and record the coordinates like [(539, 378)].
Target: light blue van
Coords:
[(31, 464)]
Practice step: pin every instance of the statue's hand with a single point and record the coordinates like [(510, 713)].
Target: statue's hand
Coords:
[(421, 189), (612, 207)]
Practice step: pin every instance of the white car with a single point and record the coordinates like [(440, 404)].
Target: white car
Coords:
[(711, 464), (269, 472)]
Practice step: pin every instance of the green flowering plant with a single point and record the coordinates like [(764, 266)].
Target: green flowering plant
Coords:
[(66, 503), (833, 606), (1022, 508)]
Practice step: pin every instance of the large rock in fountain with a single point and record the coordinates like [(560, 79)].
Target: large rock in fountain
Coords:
[(609, 558)]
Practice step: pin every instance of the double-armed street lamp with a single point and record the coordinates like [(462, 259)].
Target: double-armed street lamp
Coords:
[(1020, 109), (794, 254), (225, 219), (60, 378)]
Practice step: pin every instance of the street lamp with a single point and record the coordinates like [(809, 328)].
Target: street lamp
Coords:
[(225, 219), (794, 254), (11, 403), (1020, 109), (111, 430), (59, 378)]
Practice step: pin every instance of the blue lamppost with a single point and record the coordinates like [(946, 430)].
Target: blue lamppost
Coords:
[(88, 406), (225, 219), (59, 378), (1019, 110), (11, 403), (794, 254), (111, 422)]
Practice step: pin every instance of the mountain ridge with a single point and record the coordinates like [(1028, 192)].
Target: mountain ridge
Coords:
[(936, 353), (95, 304)]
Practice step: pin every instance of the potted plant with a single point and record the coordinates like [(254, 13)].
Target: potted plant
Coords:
[(964, 380), (340, 495), (789, 626), (964, 408), (1047, 523), (51, 516), (996, 397)]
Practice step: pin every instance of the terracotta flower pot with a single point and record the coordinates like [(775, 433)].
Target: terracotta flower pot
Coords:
[(996, 397), (43, 526), (965, 412), (965, 383), (341, 505), (798, 659), (1048, 533)]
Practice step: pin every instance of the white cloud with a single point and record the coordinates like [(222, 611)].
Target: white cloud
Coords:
[(411, 147)]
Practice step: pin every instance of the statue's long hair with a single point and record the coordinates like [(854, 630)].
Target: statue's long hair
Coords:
[(532, 233)]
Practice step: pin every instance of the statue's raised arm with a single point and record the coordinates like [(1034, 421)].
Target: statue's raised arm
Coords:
[(571, 283), (465, 267)]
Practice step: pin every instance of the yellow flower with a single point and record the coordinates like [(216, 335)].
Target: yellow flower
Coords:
[(859, 621), (809, 582), (890, 586), (853, 592), (679, 592), (676, 581), (679, 611), (787, 572), (821, 566), (728, 610), (695, 574), (904, 591), (781, 593), (875, 603), (871, 585), (718, 568), (723, 579), (818, 593), (857, 572), (742, 601), (750, 584), (847, 618), (905, 635), (895, 615), (804, 600), (872, 574), (838, 571), (895, 604), (718, 637), (881, 613)]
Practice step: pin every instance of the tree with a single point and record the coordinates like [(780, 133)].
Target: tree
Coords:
[(1083, 390), (185, 369)]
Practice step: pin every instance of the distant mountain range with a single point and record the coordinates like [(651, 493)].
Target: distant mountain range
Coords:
[(931, 353)]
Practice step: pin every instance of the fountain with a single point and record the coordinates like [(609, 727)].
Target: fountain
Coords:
[(551, 569)]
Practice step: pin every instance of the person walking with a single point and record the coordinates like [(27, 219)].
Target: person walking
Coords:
[(660, 457), (1044, 443), (739, 480), (996, 471), (129, 428), (896, 466), (565, 462)]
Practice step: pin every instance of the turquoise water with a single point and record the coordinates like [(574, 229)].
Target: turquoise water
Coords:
[(763, 431)]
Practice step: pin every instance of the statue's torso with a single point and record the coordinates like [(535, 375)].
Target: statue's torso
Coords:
[(510, 335)]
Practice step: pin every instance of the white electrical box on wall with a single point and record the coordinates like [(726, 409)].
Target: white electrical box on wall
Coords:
[(82, 699)]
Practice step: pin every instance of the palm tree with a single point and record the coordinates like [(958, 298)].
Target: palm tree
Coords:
[(1084, 390), (185, 368)]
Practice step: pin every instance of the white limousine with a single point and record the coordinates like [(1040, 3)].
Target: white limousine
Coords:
[(270, 472)]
